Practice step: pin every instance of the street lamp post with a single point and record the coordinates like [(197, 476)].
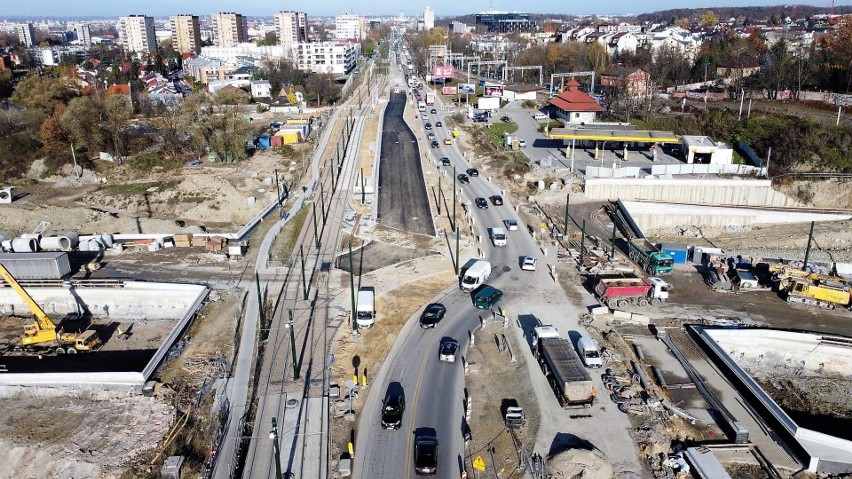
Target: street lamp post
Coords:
[(273, 434)]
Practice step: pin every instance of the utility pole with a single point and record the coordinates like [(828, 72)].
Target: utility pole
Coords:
[(567, 201), (363, 185), (613, 238), (292, 329), (304, 282), (264, 330), (352, 284), (316, 231), (273, 434), (455, 221), (582, 247), (742, 97), (278, 187), (808, 250)]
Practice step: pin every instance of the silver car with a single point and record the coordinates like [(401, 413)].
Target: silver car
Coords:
[(528, 263), (511, 224), (447, 351)]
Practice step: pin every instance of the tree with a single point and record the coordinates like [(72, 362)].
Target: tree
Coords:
[(97, 123), (709, 19), (42, 93), (54, 137), (776, 69), (215, 127), (597, 57), (322, 87), (839, 48), (682, 22), (270, 38)]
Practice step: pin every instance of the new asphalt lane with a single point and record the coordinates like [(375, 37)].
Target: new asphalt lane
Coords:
[(403, 201)]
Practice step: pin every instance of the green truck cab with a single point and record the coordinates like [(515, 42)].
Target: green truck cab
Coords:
[(651, 259)]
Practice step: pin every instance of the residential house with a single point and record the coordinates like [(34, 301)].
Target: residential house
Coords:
[(633, 81), (677, 39), (574, 106), (261, 89)]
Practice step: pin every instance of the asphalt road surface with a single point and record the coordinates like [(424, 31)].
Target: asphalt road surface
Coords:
[(403, 202)]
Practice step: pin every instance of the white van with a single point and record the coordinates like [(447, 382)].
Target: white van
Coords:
[(540, 116), (589, 352), (476, 275), (365, 309), (498, 236)]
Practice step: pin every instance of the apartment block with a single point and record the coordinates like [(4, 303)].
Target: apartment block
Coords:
[(26, 34), (186, 33), (84, 34), (349, 26), (136, 33), (291, 27), (229, 29), (326, 57)]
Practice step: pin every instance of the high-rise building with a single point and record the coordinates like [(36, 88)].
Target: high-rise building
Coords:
[(349, 26), (291, 27), (186, 33), (137, 33), (26, 34), (428, 18), (84, 34), (229, 29)]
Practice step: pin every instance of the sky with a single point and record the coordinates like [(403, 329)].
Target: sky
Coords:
[(115, 8)]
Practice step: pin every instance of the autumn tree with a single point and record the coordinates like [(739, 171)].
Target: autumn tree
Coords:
[(839, 49), (98, 123), (54, 137), (708, 19), (682, 23), (596, 57), (322, 87), (42, 93)]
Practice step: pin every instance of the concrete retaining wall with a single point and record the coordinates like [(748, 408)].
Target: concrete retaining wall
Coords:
[(649, 216), (136, 300), (692, 191)]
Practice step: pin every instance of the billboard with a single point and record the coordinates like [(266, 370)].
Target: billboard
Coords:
[(467, 89), (449, 90), (494, 90), (443, 71)]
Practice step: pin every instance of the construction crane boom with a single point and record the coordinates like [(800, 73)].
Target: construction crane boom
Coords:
[(43, 323)]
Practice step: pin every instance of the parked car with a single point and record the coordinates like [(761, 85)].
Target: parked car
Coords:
[(528, 263), (497, 200), (511, 224), (522, 143), (433, 111), (438, 124), (424, 116), (435, 144), (431, 136), (481, 203), (426, 455), (432, 315), (464, 179), (393, 406), (447, 351), (428, 126), (445, 161), (505, 119), (472, 172)]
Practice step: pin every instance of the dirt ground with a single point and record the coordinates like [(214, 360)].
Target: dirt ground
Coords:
[(487, 427), (117, 200)]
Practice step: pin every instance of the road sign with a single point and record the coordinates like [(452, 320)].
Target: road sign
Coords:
[(479, 463)]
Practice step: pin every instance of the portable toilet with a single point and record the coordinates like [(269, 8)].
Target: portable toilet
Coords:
[(275, 141), (263, 142)]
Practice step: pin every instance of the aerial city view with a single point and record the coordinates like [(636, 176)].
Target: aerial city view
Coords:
[(387, 240)]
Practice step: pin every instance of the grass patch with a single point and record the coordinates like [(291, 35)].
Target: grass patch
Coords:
[(495, 132), (130, 189), (286, 241)]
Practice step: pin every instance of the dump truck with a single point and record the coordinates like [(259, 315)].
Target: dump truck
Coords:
[(649, 257), (43, 336), (821, 293), (617, 293), (563, 368)]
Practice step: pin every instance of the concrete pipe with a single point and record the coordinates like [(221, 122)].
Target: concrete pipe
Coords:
[(74, 238), (2, 238), (106, 241), (24, 245), (55, 243), (37, 237), (6, 245)]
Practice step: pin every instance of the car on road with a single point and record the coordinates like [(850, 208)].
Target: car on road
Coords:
[(481, 203), (393, 406), (472, 172), (447, 351), (486, 296), (433, 111), (505, 119), (528, 263), (445, 161), (424, 116), (448, 141), (464, 179), (426, 455), (431, 136), (497, 200), (432, 315), (428, 126), (522, 143), (438, 124), (435, 144), (511, 224)]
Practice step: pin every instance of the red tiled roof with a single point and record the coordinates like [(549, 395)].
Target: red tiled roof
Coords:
[(572, 100), (122, 89)]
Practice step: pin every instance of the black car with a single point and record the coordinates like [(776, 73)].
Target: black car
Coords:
[(438, 124), (428, 126), (445, 161), (433, 111), (463, 178), (497, 200), (505, 119), (435, 144), (472, 172), (481, 203), (432, 315), (426, 455), (393, 406)]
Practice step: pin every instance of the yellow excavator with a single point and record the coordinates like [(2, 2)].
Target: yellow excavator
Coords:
[(43, 334)]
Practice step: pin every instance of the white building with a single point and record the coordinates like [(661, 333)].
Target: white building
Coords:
[(428, 18), (84, 34), (326, 57), (26, 34), (291, 27), (136, 33), (247, 51), (229, 29), (349, 26), (676, 38), (186, 33), (261, 89)]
